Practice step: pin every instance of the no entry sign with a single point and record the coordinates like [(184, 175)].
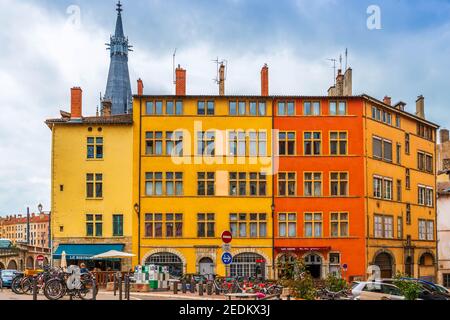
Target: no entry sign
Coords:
[(40, 258), (227, 237)]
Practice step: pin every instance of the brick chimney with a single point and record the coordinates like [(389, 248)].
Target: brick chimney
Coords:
[(387, 100), (265, 81), (420, 107), (106, 108), (348, 82), (140, 87), (222, 80), (180, 81), (340, 83), (76, 103), (444, 135)]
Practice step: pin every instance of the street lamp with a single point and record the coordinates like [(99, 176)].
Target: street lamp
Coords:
[(137, 209), (40, 207), (273, 239)]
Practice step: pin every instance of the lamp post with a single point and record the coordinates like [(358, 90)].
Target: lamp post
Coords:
[(273, 240), (41, 210), (137, 209)]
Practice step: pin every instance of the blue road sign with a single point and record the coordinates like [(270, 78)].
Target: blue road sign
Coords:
[(227, 258)]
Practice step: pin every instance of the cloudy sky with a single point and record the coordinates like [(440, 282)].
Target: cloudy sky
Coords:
[(48, 46)]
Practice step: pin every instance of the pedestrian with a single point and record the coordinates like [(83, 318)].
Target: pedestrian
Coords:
[(83, 269)]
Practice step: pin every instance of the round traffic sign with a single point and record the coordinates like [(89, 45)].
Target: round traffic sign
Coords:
[(227, 258), (345, 267), (227, 237), (40, 258)]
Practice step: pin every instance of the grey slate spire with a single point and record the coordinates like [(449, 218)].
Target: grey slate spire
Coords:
[(118, 88)]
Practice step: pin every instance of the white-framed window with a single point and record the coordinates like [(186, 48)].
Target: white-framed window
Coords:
[(377, 187), (387, 189)]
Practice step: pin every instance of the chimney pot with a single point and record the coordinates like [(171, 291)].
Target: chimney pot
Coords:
[(445, 135), (106, 108), (265, 81), (387, 100), (180, 81), (420, 107), (76, 106), (140, 87), (222, 80)]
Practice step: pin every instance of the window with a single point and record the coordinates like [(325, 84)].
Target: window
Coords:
[(174, 225), (398, 121), (154, 184), (287, 184), (253, 108), (206, 143), (338, 108), (179, 108), (154, 108), (257, 108), (233, 108), (313, 184), (286, 108), (446, 277), (95, 148), (258, 184), (252, 225), (262, 108), (205, 108), (376, 114), (201, 110), (174, 183), (426, 230), (399, 190), (170, 108), (286, 143), (154, 143), (407, 143), (158, 225), (287, 225), (424, 131), (425, 162), (339, 224), (425, 196), (313, 225), (94, 225), (206, 225), (400, 227), (159, 108), (421, 196), (117, 225), (206, 183), (311, 108), (387, 189), (399, 151), (408, 214), (154, 225), (242, 108), (408, 179), (94, 186), (377, 187), (339, 184), (178, 141), (211, 108), (258, 144), (238, 183), (382, 149), (383, 226), (312, 143), (237, 143), (381, 115), (338, 143)]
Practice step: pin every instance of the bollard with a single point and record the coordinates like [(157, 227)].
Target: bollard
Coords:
[(127, 287), (200, 288), (115, 284), (35, 291), (94, 288), (209, 288), (192, 287), (175, 287), (183, 286), (120, 287)]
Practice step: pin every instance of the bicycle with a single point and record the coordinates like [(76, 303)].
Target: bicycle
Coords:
[(65, 284)]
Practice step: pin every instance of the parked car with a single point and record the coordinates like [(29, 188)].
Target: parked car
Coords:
[(376, 291), (429, 289), (6, 277), (443, 289)]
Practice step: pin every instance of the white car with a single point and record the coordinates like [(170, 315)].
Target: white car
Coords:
[(376, 291)]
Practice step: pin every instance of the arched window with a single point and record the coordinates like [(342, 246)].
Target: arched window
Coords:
[(12, 265), (245, 265), (385, 262), (165, 259)]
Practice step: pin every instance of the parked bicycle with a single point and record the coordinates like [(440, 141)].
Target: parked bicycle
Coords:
[(73, 284)]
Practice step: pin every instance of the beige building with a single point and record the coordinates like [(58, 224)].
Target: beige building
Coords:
[(15, 229)]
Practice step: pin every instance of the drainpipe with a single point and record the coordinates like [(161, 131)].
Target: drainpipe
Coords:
[(273, 189), (139, 180), (28, 226)]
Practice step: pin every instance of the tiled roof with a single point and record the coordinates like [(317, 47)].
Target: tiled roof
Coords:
[(444, 188), (12, 220), (126, 119)]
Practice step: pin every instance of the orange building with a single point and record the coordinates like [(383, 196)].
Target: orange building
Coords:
[(319, 194)]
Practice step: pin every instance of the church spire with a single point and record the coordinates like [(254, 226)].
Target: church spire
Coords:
[(118, 88)]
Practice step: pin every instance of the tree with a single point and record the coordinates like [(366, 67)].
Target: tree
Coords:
[(298, 279), (335, 284), (410, 289)]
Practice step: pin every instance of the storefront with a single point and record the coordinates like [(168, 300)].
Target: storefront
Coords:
[(318, 260), (84, 253)]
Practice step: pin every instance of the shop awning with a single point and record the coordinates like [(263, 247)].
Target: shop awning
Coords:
[(84, 251)]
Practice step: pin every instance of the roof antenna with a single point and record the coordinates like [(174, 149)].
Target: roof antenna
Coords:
[(346, 59), (340, 61), (174, 71), (334, 68)]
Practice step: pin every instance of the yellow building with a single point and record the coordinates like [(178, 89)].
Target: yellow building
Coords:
[(192, 185), (401, 189), (91, 194)]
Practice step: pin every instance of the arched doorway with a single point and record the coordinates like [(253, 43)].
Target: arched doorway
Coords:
[(426, 267), (206, 266), (385, 262), (409, 267), (165, 259), (285, 266), (313, 264), (248, 265), (12, 265), (30, 263), (46, 262), (2, 266)]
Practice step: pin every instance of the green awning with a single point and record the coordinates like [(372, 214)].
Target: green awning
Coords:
[(84, 251)]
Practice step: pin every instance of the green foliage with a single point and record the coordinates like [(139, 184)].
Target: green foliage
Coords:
[(297, 278), (335, 284), (409, 289)]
